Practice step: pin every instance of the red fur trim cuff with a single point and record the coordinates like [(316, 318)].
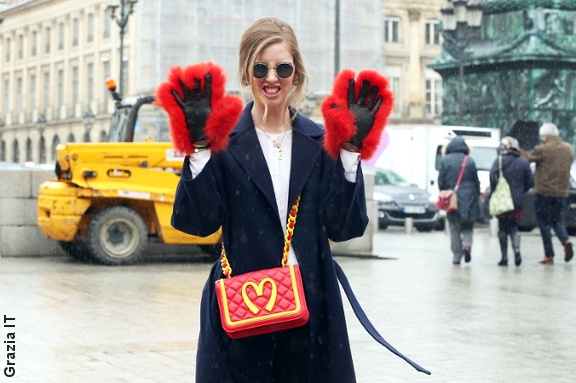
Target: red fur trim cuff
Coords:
[(339, 120), (226, 109)]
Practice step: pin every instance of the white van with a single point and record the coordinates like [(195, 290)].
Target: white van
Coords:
[(414, 152)]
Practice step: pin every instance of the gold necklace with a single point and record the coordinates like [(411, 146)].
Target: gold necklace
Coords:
[(277, 145)]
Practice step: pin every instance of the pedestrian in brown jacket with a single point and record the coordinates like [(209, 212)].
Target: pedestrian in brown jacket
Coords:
[(553, 160)]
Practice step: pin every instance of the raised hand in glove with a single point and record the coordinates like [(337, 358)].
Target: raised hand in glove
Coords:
[(198, 113), (354, 114), (196, 106), (364, 110)]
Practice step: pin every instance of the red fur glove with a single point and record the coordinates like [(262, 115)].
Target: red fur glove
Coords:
[(369, 94), (223, 110)]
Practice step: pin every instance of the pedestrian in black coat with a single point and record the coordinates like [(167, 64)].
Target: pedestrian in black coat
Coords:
[(461, 222), (516, 170)]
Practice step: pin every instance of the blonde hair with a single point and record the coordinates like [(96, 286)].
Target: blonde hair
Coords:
[(261, 34)]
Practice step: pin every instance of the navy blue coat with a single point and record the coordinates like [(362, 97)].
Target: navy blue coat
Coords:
[(235, 191), (516, 171), (469, 189)]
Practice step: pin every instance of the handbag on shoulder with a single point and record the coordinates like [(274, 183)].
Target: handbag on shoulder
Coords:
[(266, 300), (448, 199), (501, 198)]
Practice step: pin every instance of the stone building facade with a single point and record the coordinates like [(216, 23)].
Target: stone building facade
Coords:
[(55, 55), (411, 41)]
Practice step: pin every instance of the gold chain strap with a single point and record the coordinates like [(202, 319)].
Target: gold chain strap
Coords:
[(227, 270)]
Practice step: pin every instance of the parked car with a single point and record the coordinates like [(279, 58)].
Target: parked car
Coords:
[(529, 222), (398, 199)]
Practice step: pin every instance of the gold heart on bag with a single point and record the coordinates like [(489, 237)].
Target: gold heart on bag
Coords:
[(259, 290)]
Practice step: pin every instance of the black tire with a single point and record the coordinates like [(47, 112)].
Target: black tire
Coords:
[(440, 225), (116, 236), (424, 227), (213, 251), (76, 249)]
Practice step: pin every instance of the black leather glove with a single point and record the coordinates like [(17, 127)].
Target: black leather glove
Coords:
[(196, 106), (364, 110)]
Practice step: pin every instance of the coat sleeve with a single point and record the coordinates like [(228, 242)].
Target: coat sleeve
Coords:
[(528, 177), (197, 205), (534, 155), (345, 204), (494, 172), (443, 183)]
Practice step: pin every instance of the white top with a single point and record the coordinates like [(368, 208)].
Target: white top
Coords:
[(279, 168)]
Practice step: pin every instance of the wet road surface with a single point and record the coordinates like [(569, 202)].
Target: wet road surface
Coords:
[(477, 322)]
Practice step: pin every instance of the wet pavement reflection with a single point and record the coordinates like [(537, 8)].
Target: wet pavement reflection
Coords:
[(78, 322)]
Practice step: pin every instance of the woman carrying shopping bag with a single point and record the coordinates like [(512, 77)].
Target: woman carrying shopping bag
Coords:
[(457, 160), (516, 171)]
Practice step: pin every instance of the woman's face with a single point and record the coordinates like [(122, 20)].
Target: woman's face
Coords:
[(272, 87)]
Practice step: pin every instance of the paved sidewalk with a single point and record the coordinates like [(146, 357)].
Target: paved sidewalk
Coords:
[(476, 322)]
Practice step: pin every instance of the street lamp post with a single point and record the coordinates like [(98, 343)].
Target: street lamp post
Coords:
[(88, 117), (126, 9), (461, 20), (41, 126)]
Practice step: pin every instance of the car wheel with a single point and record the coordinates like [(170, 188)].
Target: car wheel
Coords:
[(117, 236), (440, 225), (424, 227), (76, 249), (382, 226), (213, 251)]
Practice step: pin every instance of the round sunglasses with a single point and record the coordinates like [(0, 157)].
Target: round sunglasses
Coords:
[(283, 70)]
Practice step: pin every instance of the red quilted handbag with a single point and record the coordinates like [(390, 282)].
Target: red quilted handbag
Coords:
[(263, 301)]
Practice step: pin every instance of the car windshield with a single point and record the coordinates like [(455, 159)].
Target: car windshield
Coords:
[(388, 177), (484, 156)]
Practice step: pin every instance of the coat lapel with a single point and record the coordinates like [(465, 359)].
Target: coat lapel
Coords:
[(305, 154), (244, 146)]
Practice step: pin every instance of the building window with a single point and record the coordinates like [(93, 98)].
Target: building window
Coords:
[(19, 103), (20, 47), (125, 77), (55, 142), (74, 85), (42, 150), (33, 92), (28, 150), (75, 32), (3, 150), (106, 30), (60, 87), (46, 89), (106, 72), (60, 36), (47, 41), (34, 43), (6, 96), (432, 32), (90, 28), (90, 84), (391, 30), (15, 151), (434, 97), (396, 88), (8, 47)]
